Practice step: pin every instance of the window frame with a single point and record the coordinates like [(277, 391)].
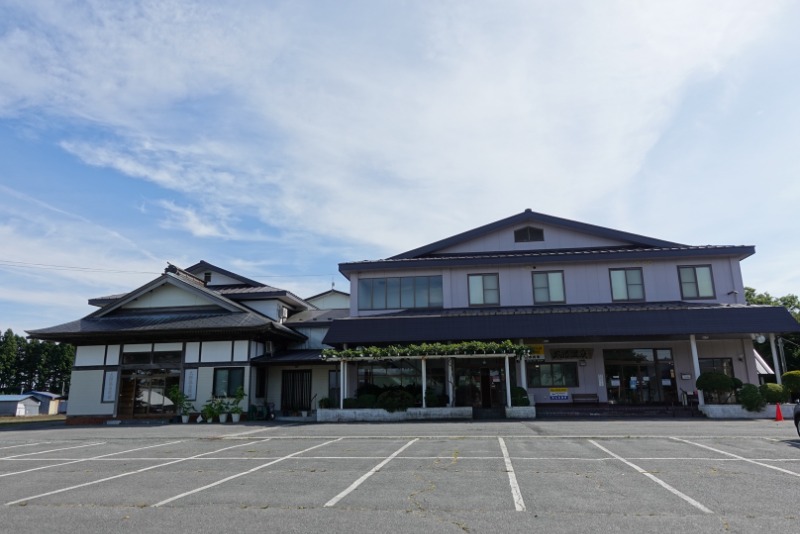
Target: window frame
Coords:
[(528, 234), (628, 284), (549, 300), (531, 374), (230, 386), (407, 292), (483, 289), (694, 269)]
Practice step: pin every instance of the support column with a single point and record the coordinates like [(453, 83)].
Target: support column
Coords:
[(696, 361), (424, 381), (508, 385), (775, 360), (342, 383), (523, 373), (450, 375)]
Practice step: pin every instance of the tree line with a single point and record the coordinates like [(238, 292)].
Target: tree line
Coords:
[(30, 364)]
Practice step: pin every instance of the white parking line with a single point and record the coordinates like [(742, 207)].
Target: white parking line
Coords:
[(23, 445), (53, 450), (62, 490), (253, 470), (519, 504), (737, 457), (247, 433), (654, 479), (369, 473), (87, 459)]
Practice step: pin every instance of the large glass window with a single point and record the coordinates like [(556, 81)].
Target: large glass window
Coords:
[(227, 380), (627, 284), (484, 289), (696, 281), (717, 365), (400, 292), (543, 375), (391, 373), (548, 287), (147, 358)]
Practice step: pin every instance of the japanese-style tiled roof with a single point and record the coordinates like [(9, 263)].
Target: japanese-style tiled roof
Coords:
[(176, 324), (316, 317), (584, 322), (549, 256)]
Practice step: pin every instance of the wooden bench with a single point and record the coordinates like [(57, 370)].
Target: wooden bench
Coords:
[(585, 398)]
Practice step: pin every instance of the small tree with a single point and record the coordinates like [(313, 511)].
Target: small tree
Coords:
[(715, 384)]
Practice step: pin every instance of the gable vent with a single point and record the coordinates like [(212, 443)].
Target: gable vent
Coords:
[(528, 234)]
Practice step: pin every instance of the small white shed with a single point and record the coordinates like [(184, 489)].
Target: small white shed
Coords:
[(19, 405), (49, 401)]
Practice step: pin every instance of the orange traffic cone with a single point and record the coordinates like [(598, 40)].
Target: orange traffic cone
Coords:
[(778, 413)]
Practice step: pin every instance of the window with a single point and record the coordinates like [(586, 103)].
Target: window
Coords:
[(562, 374), (227, 381), (627, 284), (484, 290), (717, 365), (400, 292), (548, 287), (167, 358), (696, 282), (528, 234)]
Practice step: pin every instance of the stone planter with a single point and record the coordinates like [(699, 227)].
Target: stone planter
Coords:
[(735, 411), (440, 412), (521, 412)]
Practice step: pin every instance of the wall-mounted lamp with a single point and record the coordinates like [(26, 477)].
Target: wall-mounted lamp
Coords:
[(582, 363)]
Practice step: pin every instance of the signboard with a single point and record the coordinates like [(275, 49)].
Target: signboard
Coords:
[(536, 353), (559, 394), (190, 383), (571, 354), (110, 386)]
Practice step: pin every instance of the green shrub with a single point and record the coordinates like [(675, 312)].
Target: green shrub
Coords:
[(325, 402), (519, 396), (751, 398), (350, 403), (791, 379), (774, 393), (367, 400), (395, 400)]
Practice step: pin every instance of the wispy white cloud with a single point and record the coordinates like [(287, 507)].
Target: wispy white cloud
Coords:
[(359, 129)]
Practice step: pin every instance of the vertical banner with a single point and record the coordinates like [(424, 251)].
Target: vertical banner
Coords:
[(190, 383), (110, 386)]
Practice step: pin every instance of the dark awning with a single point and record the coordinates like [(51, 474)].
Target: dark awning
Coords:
[(290, 357), (591, 322)]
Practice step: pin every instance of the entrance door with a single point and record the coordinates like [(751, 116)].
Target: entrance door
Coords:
[(143, 392), (640, 376), (480, 383), (296, 391)]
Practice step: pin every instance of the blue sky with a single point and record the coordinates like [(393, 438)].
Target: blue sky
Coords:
[(278, 139)]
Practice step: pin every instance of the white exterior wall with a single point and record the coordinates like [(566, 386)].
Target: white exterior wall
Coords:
[(85, 394), (270, 308), (584, 283), (87, 355)]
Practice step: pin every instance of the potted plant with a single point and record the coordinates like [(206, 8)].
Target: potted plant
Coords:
[(235, 406), (209, 411), (223, 409), (181, 401)]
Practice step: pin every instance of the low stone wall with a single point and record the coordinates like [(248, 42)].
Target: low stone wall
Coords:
[(380, 415), (521, 412), (735, 411)]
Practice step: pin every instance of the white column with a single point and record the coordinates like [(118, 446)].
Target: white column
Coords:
[(696, 361), (342, 384), (523, 373), (451, 379), (775, 360), (424, 381), (508, 385)]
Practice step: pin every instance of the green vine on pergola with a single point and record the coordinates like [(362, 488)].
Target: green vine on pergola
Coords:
[(463, 348)]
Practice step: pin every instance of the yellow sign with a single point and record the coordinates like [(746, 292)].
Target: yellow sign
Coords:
[(559, 394)]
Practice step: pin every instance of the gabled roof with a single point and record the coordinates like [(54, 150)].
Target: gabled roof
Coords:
[(17, 398), (532, 217), (203, 266), (177, 278)]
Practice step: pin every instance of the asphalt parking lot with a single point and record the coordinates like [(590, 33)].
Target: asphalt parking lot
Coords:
[(558, 476)]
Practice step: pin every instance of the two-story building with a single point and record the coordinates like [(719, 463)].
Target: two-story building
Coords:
[(205, 329), (605, 315)]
